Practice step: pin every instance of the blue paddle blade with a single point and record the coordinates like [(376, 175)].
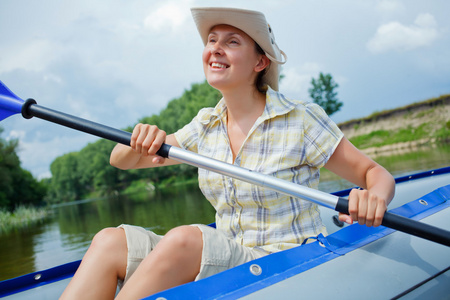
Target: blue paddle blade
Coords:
[(10, 104)]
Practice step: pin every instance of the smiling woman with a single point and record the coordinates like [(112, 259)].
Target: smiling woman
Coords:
[(249, 127)]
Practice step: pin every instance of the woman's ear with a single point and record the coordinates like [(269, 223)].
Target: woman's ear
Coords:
[(263, 62)]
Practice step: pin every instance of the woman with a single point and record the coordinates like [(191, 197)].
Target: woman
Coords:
[(255, 127)]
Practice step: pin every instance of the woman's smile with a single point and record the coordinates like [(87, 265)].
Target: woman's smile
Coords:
[(217, 65)]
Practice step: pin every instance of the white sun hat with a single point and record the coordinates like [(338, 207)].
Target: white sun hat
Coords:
[(252, 23)]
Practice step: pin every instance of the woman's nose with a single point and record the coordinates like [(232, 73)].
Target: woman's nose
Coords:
[(216, 49)]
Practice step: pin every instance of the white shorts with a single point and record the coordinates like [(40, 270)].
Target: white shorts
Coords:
[(219, 252)]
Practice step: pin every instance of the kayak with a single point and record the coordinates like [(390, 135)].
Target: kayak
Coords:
[(352, 261)]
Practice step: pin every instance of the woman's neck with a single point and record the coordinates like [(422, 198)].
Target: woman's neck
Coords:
[(243, 109), (244, 105)]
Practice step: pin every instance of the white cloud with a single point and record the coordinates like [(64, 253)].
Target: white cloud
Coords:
[(389, 6), (34, 55), (399, 37), (52, 77), (170, 15), (16, 134), (297, 81)]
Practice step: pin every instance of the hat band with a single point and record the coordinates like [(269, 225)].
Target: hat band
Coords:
[(281, 62)]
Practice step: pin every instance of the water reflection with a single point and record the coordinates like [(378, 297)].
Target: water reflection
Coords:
[(67, 235), (17, 252), (424, 159)]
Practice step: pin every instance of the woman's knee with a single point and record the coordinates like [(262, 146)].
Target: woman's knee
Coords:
[(185, 237), (180, 245), (110, 239), (179, 251), (107, 253)]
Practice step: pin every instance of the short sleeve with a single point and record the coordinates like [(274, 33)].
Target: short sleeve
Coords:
[(187, 137), (322, 136)]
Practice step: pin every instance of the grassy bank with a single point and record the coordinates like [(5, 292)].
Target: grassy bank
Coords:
[(421, 123), (423, 108), (380, 138), (21, 217)]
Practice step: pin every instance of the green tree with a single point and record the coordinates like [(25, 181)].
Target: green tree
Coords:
[(323, 93), (96, 174), (78, 175), (65, 184), (17, 186)]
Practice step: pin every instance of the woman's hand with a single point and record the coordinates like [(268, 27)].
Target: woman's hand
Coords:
[(365, 207), (147, 139), (145, 142)]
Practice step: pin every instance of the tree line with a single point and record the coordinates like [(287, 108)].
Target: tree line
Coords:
[(87, 173)]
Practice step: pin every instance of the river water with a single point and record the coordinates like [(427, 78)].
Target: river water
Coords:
[(67, 234)]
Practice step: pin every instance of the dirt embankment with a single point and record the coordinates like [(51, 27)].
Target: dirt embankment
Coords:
[(434, 113)]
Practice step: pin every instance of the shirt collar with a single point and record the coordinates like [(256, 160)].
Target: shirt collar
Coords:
[(276, 105), (217, 113)]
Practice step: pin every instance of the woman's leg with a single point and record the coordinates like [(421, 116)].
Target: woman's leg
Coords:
[(175, 260), (104, 262)]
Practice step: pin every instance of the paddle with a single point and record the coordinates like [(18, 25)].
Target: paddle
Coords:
[(11, 104)]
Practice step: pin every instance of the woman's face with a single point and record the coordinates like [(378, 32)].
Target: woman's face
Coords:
[(230, 59)]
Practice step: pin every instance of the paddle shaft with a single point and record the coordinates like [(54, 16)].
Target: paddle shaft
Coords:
[(31, 109)]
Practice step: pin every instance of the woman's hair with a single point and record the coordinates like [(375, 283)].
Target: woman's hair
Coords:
[(261, 86)]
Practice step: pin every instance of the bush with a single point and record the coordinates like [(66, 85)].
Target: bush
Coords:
[(22, 216)]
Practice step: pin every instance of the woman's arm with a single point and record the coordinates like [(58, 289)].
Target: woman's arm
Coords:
[(145, 142), (369, 205)]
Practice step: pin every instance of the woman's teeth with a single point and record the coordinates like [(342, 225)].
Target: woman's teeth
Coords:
[(218, 65)]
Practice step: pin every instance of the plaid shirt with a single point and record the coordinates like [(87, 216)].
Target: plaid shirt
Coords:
[(291, 140)]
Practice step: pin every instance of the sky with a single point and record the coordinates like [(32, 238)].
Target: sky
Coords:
[(114, 62)]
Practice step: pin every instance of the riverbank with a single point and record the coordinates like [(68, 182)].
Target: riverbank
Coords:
[(402, 129), (21, 217)]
